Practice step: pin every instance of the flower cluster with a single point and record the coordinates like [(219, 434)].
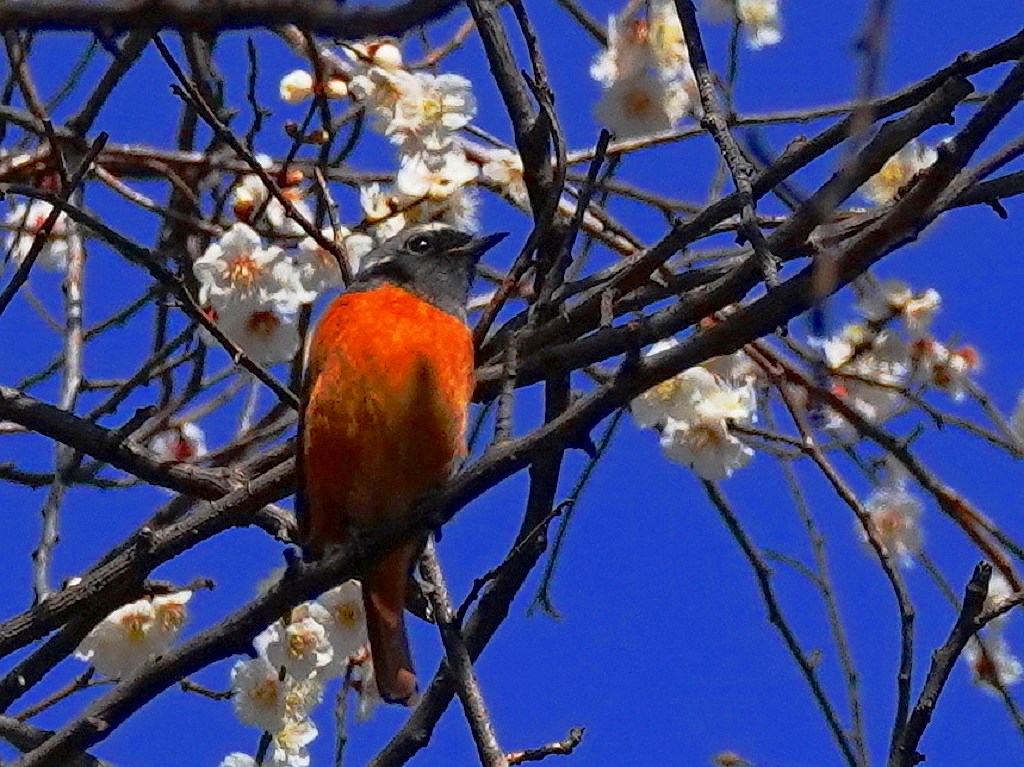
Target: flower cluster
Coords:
[(276, 691), (23, 222), (252, 292), (694, 411), (134, 633), (645, 71), (897, 172), (873, 364), (422, 114), (760, 18)]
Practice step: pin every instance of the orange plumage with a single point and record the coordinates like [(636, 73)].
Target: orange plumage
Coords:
[(389, 380)]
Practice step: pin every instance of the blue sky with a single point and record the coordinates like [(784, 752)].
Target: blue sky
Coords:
[(664, 653)]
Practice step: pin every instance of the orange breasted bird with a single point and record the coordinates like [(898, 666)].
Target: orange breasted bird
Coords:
[(389, 379)]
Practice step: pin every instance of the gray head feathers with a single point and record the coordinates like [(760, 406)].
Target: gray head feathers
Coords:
[(434, 261)]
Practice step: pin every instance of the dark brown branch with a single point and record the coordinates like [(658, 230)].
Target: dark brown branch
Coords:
[(461, 665), (327, 17), (560, 748), (904, 753)]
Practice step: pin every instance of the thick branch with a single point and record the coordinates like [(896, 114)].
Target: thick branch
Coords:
[(328, 17)]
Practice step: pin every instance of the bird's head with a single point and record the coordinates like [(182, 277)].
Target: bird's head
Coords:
[(436, 262)]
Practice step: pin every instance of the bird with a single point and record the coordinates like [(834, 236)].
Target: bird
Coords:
[(386, 391)]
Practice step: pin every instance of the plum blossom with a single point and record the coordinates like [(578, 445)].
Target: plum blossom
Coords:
[(288, 747), (645, 70), (703, 441), (895, 518), (134, 633), (318, 270), (253, 204), (872, 370), (428, 116), (673, 398), (898, 171), (345, 623), (992, 663), (238, 269), (263, 700), (381, 52), (895, 297), (946, 369), (24, 221), (379, 90), (504, 168), (180, 442), (643, 104), (437, 178), (265, 333), (301, 646), (760, 18), (296, 86), (170, 613)]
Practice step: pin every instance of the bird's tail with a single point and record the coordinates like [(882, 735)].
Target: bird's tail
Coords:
[(384, 599)]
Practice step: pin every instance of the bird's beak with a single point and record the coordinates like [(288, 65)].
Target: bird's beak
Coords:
[(476, 247)]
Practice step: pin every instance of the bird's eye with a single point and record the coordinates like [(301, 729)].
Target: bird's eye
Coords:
[(419, 244)]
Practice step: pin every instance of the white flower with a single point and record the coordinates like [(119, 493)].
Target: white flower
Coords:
[(345, 623), (125, 639), (700, 438), (281, 222), (504, 169), (674, 397), (760, 18), (761, 22), (238, 759), (944, 368), (628, 52), (435, 177), (238, 269), (380, 89), (249, 196), (706, 446), (289, 744), (429, 116), (301, 646), (992, 664), (318, 269), (181, 442), (262, 699), (735, 369), (642, 104), (264, 333), (874, 367), (898, 170), (895, 517), (896, 297), (170, 613), (24, 220), (296, 86), (375, 53)]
